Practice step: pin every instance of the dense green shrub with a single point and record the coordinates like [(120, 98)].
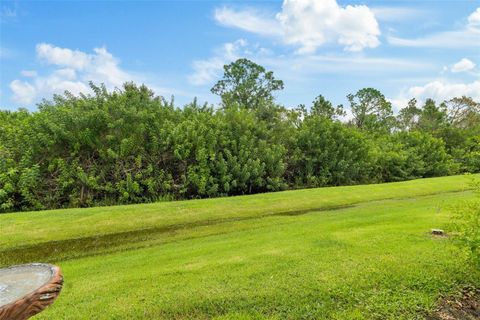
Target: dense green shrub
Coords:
[(330, 154), (471, 158), (426, 155), (129, 146), (466, 225), (390, 159)]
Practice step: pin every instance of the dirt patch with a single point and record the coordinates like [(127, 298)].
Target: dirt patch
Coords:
[(464, 306)]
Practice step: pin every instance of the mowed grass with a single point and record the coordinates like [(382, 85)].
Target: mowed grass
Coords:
[(361, 252)]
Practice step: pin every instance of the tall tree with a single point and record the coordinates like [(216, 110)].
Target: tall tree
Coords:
[(433, 117), (463, 112), (323, 108), (246, 84), (371, 110), (407, 118)]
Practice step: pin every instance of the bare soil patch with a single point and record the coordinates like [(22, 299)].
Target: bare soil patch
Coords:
[(464, 306)]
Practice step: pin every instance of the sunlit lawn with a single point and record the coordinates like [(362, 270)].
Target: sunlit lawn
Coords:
[(361, 252)]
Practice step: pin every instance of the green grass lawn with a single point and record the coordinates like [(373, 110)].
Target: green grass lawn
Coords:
[(359, 252)]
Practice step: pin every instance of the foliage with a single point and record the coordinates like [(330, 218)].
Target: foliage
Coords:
[(427, 155), (432, 117), (330, 154), (471, 156), (463, 112), (466, 225), (323, 108), (246, 84), (407, 118), (371, 110), (130, 146)]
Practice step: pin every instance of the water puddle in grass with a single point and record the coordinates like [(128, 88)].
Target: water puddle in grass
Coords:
[(302, 212)]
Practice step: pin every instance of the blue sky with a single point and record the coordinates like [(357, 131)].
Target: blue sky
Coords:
[(403, 48)]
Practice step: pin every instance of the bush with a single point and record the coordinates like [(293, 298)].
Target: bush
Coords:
[(330, 154), (130, 146), (466, 225), (409, 155)]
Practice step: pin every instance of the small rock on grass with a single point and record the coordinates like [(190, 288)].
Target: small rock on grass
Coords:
[(438, 232)]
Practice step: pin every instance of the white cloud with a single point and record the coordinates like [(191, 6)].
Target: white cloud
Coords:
[(205, 71), (24, 92), (29, 73), (310, 24), (349, 65), (73, 69), (438, 90), (463, 65), (474, 19), (104, 67), (249, 20), (62, 56), (450, 39), (67, 74), (468, 36), (300, 67), (397, 13)]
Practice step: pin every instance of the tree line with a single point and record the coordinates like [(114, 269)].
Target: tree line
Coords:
[(130, 146)]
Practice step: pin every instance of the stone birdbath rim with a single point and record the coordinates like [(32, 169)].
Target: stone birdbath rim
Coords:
[(27, 289)]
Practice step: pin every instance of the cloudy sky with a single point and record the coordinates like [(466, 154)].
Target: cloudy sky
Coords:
[(403, 48)]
